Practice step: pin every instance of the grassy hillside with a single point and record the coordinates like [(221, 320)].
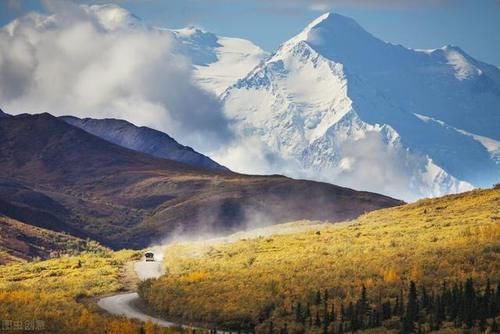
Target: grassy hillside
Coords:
[(47, 294), (260, 281), (20, 241)]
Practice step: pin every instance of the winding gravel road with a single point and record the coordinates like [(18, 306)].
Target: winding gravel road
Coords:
[(125, 304)]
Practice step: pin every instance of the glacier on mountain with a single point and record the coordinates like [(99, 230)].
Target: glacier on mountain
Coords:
[(349, 109)]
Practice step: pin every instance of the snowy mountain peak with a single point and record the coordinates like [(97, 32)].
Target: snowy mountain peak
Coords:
[(342, 104), (219, 61), (197, 36), (330, 28)]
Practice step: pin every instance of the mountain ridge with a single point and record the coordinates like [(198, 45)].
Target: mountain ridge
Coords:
[(142, 139)]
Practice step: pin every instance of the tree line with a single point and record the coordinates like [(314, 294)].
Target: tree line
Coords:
[(416, 311)]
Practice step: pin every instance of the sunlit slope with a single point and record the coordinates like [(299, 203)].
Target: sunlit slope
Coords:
[(258, 280), (20, 241), (48, 292)]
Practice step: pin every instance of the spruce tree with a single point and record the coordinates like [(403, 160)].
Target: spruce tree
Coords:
[(363, 302), (395, 311), (342, 312), (318, 298), (333, 316), (317, 322), (386, 310), (285, 329), (469, 303), (412, 306), (298, 312)]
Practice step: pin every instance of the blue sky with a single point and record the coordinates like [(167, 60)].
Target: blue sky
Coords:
[(472, 25)]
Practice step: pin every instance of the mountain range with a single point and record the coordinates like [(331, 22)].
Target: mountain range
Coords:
[(59, 178), (341, 102), (337, 104), (349, 108)]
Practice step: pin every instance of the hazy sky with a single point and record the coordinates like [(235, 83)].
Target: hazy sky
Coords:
[(473, 25)]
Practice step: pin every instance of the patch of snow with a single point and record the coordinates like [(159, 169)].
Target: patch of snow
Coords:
[(219, 61)]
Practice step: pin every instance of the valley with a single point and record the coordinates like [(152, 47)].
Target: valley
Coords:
[(161, 172), (256, 280)]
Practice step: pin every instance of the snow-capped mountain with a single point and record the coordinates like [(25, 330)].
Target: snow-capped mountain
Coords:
[(219, 61), (352, 109)]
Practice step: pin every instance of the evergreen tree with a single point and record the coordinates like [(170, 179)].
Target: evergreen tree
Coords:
[(454, 308), (298, 312), (411, 314), (317, 322), (412, 306), (342, 312), (469, 303), (353, 316), (285, 329), (363, 302), (326, 323), (395, 311), (333, 316), (318, 298), (438, 312), (386, 310)]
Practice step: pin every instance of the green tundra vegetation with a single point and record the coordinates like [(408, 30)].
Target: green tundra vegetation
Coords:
[(58, 295), (428, 266)]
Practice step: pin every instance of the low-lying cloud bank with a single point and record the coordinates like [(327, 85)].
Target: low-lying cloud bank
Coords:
[(76, 62)]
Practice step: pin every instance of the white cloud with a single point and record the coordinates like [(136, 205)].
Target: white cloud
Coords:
[(70, 63), (251, 156)]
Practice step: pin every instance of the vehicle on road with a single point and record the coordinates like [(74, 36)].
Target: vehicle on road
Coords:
[(149, 256)]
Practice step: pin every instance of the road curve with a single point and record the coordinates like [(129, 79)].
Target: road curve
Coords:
[(124, 305)]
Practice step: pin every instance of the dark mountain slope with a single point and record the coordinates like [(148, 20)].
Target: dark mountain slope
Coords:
[(3, 115), (142, 139), (57, 176)]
